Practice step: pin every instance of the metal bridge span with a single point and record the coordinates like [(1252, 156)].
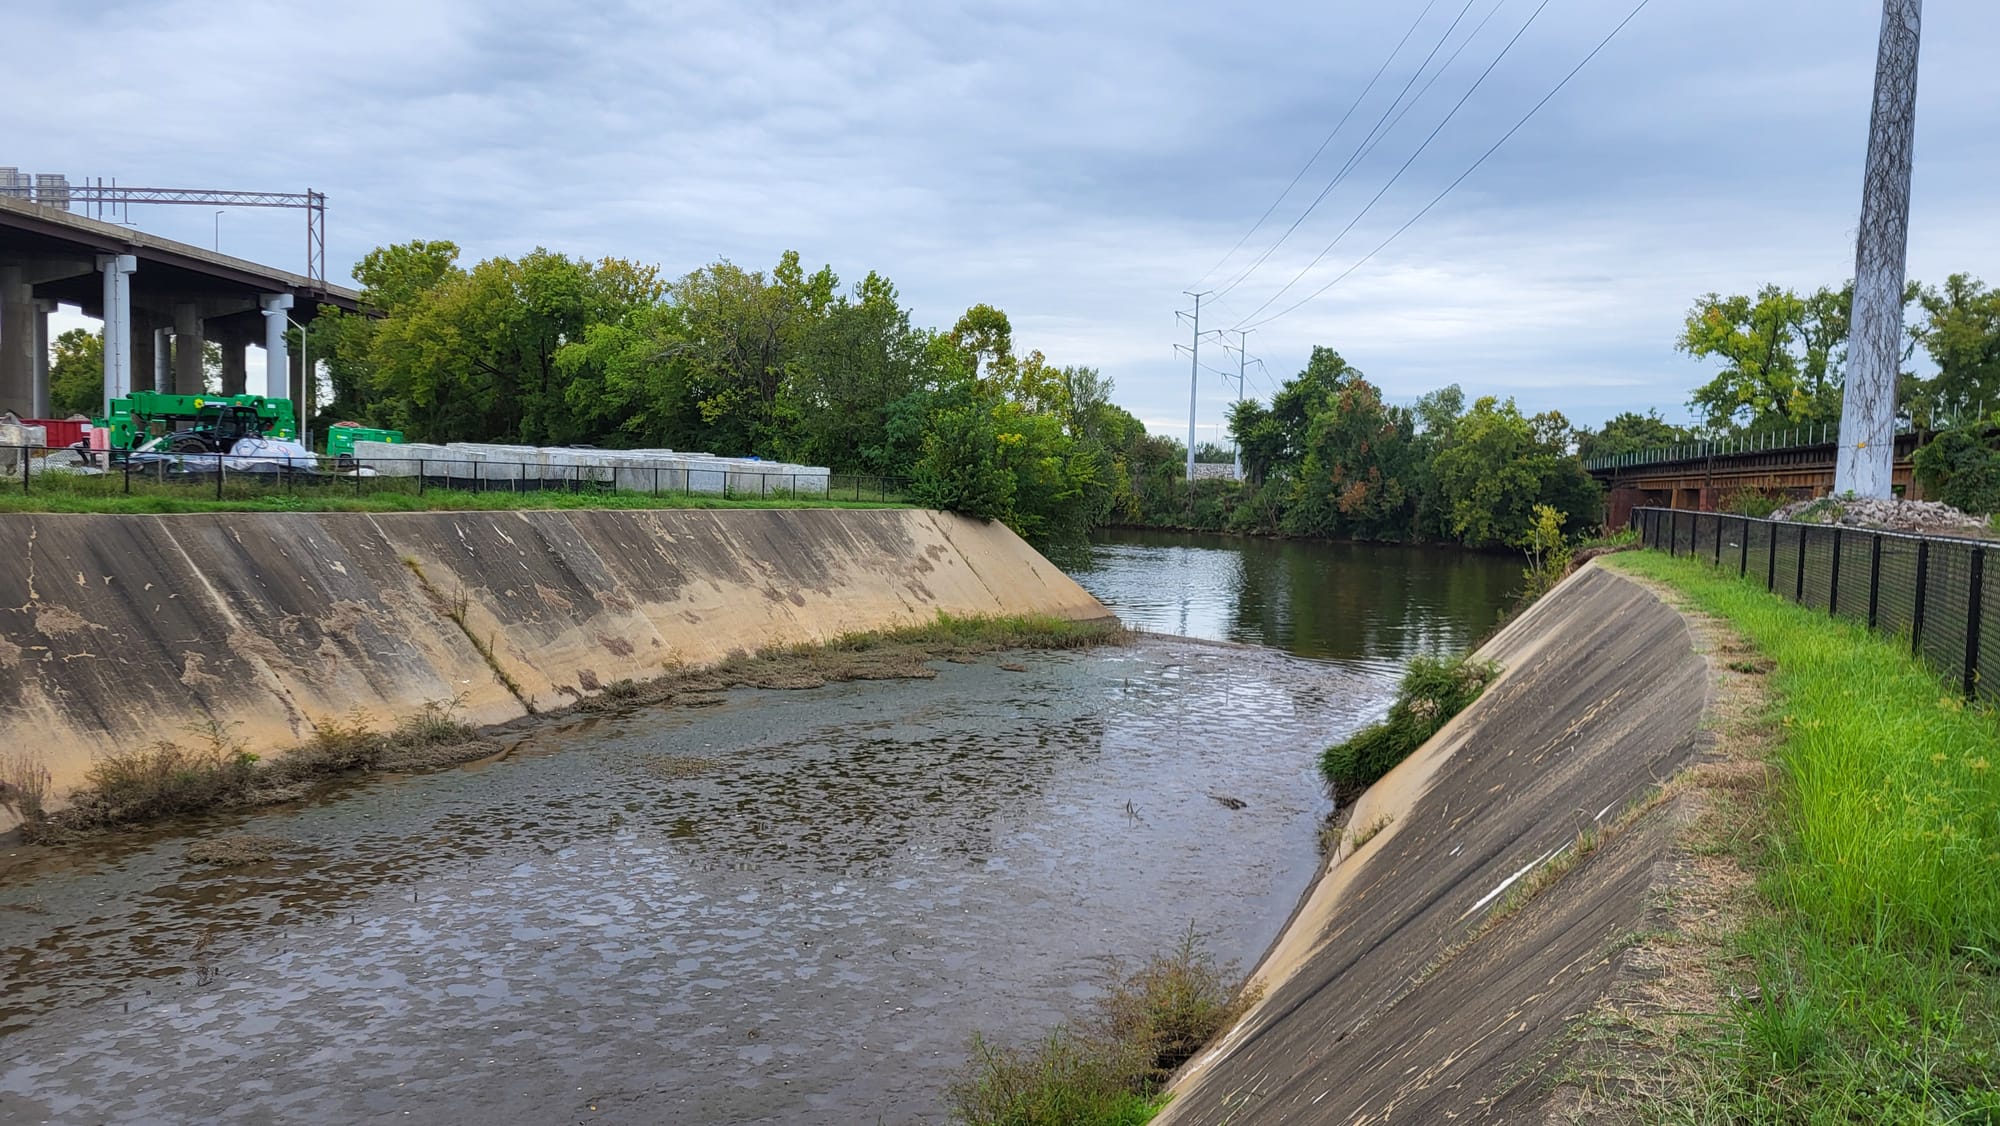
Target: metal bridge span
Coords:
[(1701, 475)]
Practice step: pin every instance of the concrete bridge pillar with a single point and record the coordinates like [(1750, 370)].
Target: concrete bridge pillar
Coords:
[(117, 269), (145, 350), (277, 366), (17, 342), (163, 358), (235, 367), (189, 379), (42, 311)]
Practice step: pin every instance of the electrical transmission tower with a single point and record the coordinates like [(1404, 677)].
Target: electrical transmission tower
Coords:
[(1194, 373), (1866, 456)]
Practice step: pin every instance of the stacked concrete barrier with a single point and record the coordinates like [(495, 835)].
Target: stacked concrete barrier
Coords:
[(642, 471), (117, 631)]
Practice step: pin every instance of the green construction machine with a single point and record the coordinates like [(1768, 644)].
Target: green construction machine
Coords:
[(210, 424)]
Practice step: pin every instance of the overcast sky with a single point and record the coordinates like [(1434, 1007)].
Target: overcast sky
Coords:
[(1076, 164)]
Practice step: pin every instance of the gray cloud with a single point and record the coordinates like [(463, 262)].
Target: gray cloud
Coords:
[(1075, 164)]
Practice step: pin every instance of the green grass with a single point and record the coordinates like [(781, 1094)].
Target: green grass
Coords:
[(107, 494), (1872, 992), (1433, 690)]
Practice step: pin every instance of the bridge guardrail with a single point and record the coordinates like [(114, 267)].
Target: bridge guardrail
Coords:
[(203, 476), (1797, 438), (1929, 589)]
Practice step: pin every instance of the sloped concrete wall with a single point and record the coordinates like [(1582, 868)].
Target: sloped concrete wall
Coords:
[(116, 631), (1384, 1001)]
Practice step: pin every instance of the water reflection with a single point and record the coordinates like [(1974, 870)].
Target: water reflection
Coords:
[(1373, 604)]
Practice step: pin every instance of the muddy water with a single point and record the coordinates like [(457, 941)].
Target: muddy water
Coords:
[(793, 907)]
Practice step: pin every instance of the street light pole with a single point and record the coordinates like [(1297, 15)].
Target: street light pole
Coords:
[(218, 232)]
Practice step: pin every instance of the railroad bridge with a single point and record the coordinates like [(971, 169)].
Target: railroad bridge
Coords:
[(1698, 475)]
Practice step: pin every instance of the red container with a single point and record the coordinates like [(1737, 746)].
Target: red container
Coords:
[(62, 432)]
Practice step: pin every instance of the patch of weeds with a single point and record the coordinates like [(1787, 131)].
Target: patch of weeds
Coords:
[(1368, 832), (235, 849), (1433, 690), (1111, 1069), (24, 786), (433, 725), (621, 691), (674, 767), (167, 779)]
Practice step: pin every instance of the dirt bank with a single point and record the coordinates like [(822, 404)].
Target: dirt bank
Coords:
[(117, 631), (1419, 983)]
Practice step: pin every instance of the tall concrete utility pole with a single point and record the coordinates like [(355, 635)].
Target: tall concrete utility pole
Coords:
[(1865, 460), (1194, 371)]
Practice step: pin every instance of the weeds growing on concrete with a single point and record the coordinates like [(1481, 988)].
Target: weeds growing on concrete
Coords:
[(1872, 988), (1434, 689), (212, 770), (24, 785), (1108, 1070)]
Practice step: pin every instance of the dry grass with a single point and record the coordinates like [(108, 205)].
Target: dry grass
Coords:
[(1111, 1069)]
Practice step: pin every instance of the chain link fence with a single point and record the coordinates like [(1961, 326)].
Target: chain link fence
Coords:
[(1929, 590), (202, 476)]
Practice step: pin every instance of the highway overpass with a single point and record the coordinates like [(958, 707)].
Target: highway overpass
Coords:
[(165, 299)]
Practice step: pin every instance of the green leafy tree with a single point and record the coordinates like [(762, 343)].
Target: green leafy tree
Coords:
[(1961, 467), (76, 373), (1500, 464), (1961, 332), (1630, 433), (1354, 480), (1781, 353)]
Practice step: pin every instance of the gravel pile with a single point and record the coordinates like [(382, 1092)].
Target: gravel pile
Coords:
[(1889, 515)]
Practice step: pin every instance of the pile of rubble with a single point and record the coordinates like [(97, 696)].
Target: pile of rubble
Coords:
[(1893, 515)]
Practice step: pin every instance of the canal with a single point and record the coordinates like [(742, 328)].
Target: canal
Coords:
[(790, 907)]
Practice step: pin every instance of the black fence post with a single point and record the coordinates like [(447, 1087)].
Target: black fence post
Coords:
[(420, 476), (1799, 590), (1718, 540), (218, 476), (1874, 577), (763, 480), (1972, 614), (1833, 579), (1771, 562), (1743, 564), (1674, 531), (128, 475), (1917, 610)]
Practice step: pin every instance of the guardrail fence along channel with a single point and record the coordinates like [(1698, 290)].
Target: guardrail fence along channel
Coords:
[(1928, 590)]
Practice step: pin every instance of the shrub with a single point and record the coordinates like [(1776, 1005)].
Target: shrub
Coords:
[(1110, 1070), (1961, 468), (1748, 500), (24, 786), (1548, 551), (1433, 690), (167, 778)]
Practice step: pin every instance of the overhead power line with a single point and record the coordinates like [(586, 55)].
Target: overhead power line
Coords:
[(1314, 158), (1377, 198), (1483, 157), (1353, 158)]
